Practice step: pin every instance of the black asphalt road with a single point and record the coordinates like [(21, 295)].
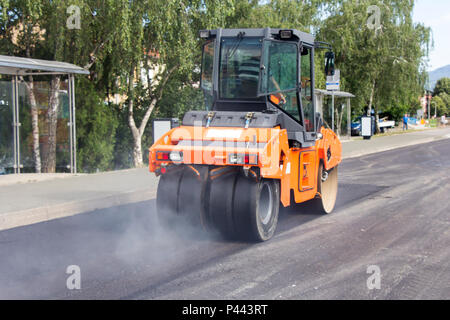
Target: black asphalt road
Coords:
[(393, 212)]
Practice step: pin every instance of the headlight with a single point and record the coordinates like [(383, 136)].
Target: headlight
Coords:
[(245, 159), (176, 156)]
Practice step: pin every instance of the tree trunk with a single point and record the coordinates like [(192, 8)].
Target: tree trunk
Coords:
[(377, 119), (137, 152), (371, 105), (34, 124), (139, 132), (52, 120), (372, 93), (34, 109), (137, 135)]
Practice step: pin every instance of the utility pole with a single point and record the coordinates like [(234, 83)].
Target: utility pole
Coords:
[(332, 112), (435, 109), (333, 84)]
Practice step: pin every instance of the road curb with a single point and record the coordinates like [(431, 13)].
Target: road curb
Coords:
[(31, 216), (413, 143)]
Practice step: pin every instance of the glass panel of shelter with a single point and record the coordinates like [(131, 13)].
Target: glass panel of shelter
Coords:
[(6, 127), (25, 130), (54, 152)]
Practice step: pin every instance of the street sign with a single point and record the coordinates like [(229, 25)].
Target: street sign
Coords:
[(420, 114), (366, 127), (334, 82)]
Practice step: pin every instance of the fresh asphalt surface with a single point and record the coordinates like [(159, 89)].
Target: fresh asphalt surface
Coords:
[(393, 212)]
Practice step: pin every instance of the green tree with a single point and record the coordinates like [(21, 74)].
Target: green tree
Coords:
[(38, 29), (96, 129), (441, 104), (442, 86), (383, 66), (176, 46), (441, 97), (151, 58), (301, 15)]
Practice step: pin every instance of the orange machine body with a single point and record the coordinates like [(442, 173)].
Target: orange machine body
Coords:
[(262, 148)]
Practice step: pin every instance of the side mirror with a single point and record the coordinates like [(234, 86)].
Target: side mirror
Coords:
[(329, 64)]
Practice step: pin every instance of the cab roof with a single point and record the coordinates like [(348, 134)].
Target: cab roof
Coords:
[(266, 33)]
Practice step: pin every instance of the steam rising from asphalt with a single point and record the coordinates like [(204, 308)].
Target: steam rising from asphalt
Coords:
[(145, 238), (106, 244)]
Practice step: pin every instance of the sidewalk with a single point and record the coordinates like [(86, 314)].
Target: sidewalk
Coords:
[(29, 198), (24, 203), (360, 147)]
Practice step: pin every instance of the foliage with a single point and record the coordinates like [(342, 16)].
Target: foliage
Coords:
[(121, 40), (441, 97), (442, 86), (441, 104), (96, 129), (382, 67)]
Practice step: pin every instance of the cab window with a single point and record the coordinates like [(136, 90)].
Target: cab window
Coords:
[(307, 90), (239, 68), (279, 69), (207, 66)]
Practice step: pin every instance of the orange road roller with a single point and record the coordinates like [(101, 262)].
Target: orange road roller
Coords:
[(257, 143)]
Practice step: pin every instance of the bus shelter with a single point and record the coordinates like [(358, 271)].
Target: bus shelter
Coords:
[(34, 96), (337, 118)]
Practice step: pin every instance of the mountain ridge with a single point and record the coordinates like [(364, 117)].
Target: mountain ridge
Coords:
[(439, 73)]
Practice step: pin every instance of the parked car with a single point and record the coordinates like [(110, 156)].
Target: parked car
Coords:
[(383, 124), (356, 128)]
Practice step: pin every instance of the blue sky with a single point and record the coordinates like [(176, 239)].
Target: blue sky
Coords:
[(436, 14)]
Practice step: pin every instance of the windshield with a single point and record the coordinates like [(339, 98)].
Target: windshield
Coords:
[(279, 73), (239, 67)]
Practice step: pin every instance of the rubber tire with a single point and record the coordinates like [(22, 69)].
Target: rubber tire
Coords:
[(191, 194), (221, 196), (249, 225), (167, 198), (328, 190)]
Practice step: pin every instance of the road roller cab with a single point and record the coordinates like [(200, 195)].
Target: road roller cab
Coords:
[(257, 143)]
